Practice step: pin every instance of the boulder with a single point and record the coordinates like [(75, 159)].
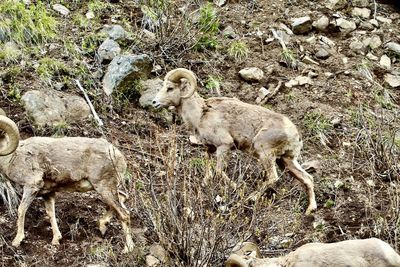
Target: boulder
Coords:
[(52, 107), (124, 70)]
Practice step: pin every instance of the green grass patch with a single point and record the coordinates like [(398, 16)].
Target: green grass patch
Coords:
[(26, 24)]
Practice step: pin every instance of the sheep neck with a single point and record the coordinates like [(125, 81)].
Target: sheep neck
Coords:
[(191, 110), (5, 162)]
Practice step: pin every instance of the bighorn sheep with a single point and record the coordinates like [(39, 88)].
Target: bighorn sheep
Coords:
[(370, 252), (44, 165), (226, 123)]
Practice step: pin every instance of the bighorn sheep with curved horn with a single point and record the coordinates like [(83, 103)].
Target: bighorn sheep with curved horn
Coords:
[(370, 252), (44, 165), (227, 123)]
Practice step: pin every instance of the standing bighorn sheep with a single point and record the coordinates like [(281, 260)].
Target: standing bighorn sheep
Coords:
[(44, 165), (227, 123), (370, 252)]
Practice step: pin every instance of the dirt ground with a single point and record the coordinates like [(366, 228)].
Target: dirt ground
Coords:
[(357, 195)]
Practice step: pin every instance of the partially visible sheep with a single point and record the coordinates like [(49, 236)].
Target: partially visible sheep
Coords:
[(370, 252), (44, 165), (227, 123)]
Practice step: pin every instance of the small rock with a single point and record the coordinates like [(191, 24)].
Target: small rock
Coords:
[(108, 50), (194, 140), (357, 46), (336, 4), (311, 40), (229, 32), (159, 252), (115, 32), (61, 9), (302, 25), (327, 41), (291, 83), (313, 165), (393, 47), (252, 74), (372, 42), (392, 80), (372, 57), (149, 89), (321, 24), (371, 183), (365, 25), (329, 74), (304, 80), (336, 122), (262, 93), (152, 261), (148, 35), (90, 15), (385, 62), (102, 264), (346, 25), (374, 22), (345, 60), (220, 3), (322, 54), (364, 13), (383, 20), (124, 70), (360, 3), (309, 60)]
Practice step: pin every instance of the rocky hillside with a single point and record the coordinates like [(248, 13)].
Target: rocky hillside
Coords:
[(91, 68)]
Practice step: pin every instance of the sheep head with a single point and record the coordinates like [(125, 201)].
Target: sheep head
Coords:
[(248, 254), (178, 84), (9, 138)]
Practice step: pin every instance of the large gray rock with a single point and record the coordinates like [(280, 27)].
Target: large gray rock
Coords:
[(108, 50), (124, 70), (52, 108), (302, 25), (251, 74), (149, 89), (115, 32)]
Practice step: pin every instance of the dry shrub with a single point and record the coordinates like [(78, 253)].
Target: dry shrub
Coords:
[(197, 224)]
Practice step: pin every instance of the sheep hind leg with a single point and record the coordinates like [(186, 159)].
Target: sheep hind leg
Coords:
[(109, 214), (268, 162), (306, 179), (221, 153), (111, 200), (27, 198), (49, 202)]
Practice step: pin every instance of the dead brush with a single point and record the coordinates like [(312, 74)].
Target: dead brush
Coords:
[(376, 154), (197, 225)]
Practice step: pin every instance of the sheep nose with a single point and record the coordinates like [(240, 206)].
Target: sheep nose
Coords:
[(154, 102)]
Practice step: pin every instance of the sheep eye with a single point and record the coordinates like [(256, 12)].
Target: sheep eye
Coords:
[(169, 89)]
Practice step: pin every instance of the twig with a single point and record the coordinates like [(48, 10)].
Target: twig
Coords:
[(96, 117), (374, 9)]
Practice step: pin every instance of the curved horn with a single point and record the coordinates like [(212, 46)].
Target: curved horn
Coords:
[(179, 73), (2, 112), (8, 142), (236, 261), (246, 249)]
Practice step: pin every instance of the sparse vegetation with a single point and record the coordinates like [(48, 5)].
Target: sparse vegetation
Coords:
[(289, 58), (50, 68), (26, 24), (238, 50)]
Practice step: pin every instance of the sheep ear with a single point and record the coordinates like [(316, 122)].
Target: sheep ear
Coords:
[(236, 261)]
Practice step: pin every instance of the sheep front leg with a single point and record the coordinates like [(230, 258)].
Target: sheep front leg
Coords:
[(27, 198), (221, 153), (49, 202)]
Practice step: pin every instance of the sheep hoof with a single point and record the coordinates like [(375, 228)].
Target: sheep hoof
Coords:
[(311, 209), (16, 242)]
